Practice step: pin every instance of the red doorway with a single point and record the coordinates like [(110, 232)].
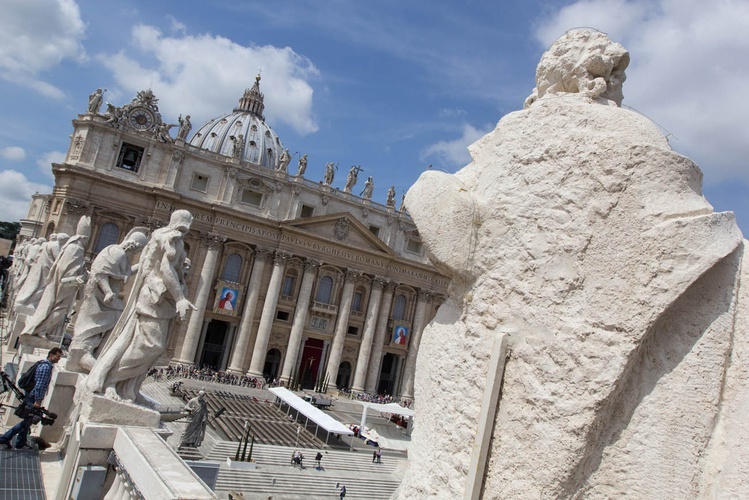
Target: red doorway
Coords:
[(310, 362)]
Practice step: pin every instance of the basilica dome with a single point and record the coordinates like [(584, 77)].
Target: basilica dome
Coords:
[(242, 133)]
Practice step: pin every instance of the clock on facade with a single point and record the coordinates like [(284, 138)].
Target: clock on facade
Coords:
[(141, 118)]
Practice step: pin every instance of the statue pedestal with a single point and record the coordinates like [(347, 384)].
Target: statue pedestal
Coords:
[(102, 410), (18, 324)]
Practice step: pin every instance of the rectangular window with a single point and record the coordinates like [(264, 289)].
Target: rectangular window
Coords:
[(199, 183), (374, 230), (356, 303), (288, 287), (252, 198), (130, 157), (307, 211), (282, 315), (353, 330), (414, 246)]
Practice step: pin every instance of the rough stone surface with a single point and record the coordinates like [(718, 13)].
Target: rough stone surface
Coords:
[(581, 235)]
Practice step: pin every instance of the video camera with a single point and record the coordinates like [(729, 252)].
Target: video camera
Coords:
[(40, 414)]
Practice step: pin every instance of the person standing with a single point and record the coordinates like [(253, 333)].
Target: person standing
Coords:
[(318, 459), (378, 453), (34, 398), (343, 491)]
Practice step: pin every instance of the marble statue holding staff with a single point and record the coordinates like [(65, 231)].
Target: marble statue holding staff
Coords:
[(194, 433)]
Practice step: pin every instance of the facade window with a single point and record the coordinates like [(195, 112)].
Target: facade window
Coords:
[(414, 246), (130, 157), (307, 211), (199, 183), (374, 230), (356, 303), (353, 330), (253, 198), (232, 268), (109, 234), (399, 310), (282, 315), (288, 286), (324, 290)]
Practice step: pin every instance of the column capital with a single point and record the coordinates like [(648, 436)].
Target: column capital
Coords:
[(312, 265), (212, 240), (353, 275), (262, 253), (378, 282), (390, 285), (424, 295), (280, 258)]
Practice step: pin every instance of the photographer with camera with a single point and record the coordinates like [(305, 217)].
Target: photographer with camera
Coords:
[(32, 402)]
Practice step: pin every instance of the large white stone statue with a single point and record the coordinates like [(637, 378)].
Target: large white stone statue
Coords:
[(28, 296), (140, 336), (594, 342), (65, 277), (103, 299)]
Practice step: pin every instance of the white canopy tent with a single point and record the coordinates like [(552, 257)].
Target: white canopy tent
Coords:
[(388, 408), (315, 414)]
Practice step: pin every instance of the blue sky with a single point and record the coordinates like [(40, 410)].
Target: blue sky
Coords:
[(392, 86)]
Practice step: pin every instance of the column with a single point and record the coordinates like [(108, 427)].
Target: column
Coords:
[(236, 365), (341, 327), (300, 318), (195, 323), (407, 386), (375, 358), (268, 315), (370, 322)]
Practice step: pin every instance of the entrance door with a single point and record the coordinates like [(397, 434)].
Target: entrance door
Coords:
[(344, 375), (388, 374), (272, 362), (310, 362), (214, 344)]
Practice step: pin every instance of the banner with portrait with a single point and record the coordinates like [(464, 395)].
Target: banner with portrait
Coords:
[(227, 298), (400, 335)]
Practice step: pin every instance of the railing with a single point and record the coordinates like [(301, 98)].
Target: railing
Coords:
[(148, 468), (324, 308)]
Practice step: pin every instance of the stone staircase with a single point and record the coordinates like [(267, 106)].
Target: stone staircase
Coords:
[(275, 476)]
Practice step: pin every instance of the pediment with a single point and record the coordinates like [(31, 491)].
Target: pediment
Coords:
[(342, 228)]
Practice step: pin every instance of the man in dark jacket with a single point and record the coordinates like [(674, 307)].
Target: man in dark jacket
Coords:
[(33, 398)]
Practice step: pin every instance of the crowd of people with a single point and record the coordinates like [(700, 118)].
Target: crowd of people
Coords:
[(207, 374)]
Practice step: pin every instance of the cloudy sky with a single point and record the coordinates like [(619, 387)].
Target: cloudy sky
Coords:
[(390, 85)]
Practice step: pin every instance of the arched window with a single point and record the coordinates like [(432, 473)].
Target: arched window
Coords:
[(399, 310), (232, 268), (324, 290), (109, 234)]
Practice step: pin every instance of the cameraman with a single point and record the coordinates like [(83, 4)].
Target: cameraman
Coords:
[(33, 398)]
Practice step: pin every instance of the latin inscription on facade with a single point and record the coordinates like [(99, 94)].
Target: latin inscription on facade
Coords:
[(317, 246)]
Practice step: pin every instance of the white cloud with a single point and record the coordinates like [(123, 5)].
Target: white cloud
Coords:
[(454, 154), (36, 36), (687, 72), (13, 153), (45, 161), (205, 75), (15, 194)]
